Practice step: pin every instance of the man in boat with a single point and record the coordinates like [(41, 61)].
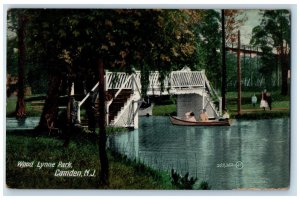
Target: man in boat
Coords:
[(225, 116), (190, 116), (203, 116)]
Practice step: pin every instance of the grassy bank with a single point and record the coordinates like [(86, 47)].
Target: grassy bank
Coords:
[(164, 110), (167, 106), (31, 109), (280, 107), (83, 154)]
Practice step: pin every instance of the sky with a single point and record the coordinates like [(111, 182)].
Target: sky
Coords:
[(253, 20)]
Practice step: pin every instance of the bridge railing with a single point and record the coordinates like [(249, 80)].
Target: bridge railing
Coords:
[(117, 80), (176, 79), (187, 79)]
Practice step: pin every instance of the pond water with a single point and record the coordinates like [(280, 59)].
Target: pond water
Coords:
[(248, 154), (26, 123)]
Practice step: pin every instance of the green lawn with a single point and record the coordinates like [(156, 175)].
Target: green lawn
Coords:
[(31, 109), (279, 102), (276, 96), (11, 105), (82, 153), (124, 174), (275, 105), (280, 105), (164, 110)]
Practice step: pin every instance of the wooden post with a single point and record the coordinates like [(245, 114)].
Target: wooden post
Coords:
[(250, 66), (239, 74), (102, 132)]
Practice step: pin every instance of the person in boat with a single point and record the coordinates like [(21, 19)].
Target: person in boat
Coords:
[(203, 116), (225, 116), (190, 116)]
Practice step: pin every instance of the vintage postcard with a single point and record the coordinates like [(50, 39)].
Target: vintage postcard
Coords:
[(148, 99)]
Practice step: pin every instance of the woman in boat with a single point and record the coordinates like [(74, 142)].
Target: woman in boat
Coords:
[(190, 116)]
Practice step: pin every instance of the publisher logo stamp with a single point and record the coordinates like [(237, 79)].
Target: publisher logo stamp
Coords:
[(237, 165)]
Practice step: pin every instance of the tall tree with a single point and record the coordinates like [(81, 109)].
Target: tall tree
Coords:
[(274, 34), (20, 107), (231, 21), (104, 173), (234, 19), (70, 43), (209, 45)]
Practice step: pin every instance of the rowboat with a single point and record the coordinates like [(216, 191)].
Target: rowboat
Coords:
[(182, 122)]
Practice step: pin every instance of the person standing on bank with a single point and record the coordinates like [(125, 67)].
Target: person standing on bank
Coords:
[(253, 100), (269, 100), (263, 102)]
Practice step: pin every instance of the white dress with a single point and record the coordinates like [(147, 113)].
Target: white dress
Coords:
[(263, 103)]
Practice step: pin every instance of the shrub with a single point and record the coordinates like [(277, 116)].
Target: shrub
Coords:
[(204, 186), (182, 182)]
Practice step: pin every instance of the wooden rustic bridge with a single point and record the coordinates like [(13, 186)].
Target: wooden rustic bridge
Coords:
[(192, 89)]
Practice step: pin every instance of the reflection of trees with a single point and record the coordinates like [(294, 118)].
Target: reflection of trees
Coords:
[(265, 156)]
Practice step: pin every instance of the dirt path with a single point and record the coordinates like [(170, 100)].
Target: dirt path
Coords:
[(261, 110)]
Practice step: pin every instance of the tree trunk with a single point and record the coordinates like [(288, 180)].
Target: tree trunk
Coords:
[(224, 72), (51, 103), (20, 107), (284, 73), (104, 172)]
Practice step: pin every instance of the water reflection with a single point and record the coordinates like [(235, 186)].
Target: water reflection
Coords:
[(249, 154)]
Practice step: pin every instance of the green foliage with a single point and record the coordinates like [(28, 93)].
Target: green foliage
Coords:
[(115, 130), (69, 42), (204, 185), (274, 35), (182, 182), (252, 73), (234, 19), (209, 45), (11, 106), (263, 115), (12, 57), (164, 110), (37, 79)]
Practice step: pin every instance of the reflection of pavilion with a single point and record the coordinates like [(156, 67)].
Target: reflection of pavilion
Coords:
[(192, 89)]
